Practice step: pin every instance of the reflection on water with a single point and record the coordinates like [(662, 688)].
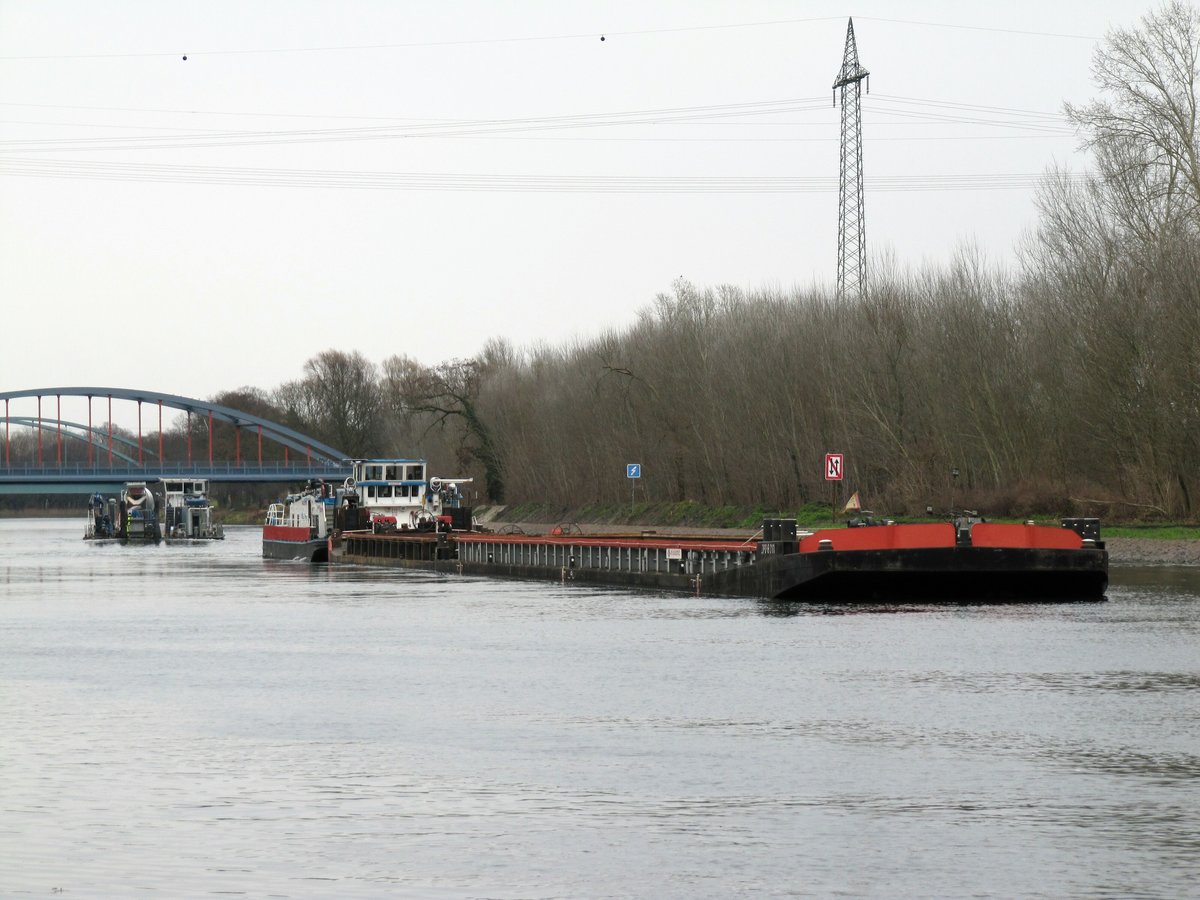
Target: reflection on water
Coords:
[(184, 720)]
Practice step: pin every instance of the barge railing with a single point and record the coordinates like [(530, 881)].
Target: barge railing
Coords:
[(687, 556)]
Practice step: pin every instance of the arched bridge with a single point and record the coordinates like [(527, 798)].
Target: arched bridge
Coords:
[(47, 453)]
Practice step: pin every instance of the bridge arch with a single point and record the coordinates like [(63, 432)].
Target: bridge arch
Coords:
[(280, 434), (76, 431)]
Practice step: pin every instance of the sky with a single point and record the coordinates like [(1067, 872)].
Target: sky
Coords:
[(403, 178)]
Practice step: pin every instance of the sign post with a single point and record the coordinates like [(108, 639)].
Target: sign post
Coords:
[(833, 474), (633, 471)]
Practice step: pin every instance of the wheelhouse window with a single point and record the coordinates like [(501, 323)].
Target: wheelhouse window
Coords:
[(416, 473)]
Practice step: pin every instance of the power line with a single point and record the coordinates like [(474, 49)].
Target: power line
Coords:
[(679, 115), (933, 118), (490, 182), (890, 98), (31, 146), (1052, 34), (886, 98), (910, 111)]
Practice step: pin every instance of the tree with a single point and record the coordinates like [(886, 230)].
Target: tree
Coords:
[(1144, 131), (448, 391), (1114, 257), (338, 401)]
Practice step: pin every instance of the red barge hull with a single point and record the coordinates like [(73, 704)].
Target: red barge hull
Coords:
[(294, 543)]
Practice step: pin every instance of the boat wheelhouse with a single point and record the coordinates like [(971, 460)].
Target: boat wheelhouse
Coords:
[(187, 511), (401, 495)]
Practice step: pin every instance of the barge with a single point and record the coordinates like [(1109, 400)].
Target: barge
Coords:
[(965, 561), (391, 512)]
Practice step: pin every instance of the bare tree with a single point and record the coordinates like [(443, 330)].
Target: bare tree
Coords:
[(449, 393), (1144, 130), (339, 400)]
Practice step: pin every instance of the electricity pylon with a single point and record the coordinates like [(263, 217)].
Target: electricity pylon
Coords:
[(852, 223)]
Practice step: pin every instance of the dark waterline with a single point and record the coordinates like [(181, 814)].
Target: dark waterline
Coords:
[(191, 720)]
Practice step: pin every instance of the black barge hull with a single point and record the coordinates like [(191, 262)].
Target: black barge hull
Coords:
[(934, 575)]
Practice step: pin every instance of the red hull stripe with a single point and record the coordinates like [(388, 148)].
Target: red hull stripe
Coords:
[(911, 537), (602, 541), (882, 537), (987, 534), (872, 537), (293, 533)]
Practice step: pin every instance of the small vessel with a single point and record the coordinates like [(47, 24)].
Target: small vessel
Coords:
[(187, 512), (132, 517), (300, 526), (102, 519)]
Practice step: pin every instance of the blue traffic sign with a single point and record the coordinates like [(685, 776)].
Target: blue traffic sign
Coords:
[(633, 470)]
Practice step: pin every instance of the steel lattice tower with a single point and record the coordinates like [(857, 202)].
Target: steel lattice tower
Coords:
[(852, 223)]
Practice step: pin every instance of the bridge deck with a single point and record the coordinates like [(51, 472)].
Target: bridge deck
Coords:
[(36, 477)]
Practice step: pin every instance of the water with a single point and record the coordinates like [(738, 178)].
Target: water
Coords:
[(193, 720)]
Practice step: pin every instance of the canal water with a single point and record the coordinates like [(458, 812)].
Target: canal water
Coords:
[(183, 721)]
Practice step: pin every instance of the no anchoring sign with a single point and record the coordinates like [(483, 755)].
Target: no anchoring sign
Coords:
[(833, 467)]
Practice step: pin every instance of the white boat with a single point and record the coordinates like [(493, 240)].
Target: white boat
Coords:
[(299, 527), (187, 511)]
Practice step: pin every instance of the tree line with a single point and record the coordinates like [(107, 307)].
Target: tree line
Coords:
[(1070, 381), (1067, 382)]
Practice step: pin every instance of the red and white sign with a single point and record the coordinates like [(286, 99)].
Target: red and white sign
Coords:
[(833, 467)]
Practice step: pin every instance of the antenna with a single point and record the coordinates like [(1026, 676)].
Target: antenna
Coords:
[(852, 223)]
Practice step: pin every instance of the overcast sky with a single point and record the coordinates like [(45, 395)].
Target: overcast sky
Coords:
[(415, 178)]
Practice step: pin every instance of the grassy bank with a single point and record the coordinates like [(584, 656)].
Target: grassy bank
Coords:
[(749, 518)]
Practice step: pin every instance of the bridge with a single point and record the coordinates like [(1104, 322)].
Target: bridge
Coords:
[(73, 456)]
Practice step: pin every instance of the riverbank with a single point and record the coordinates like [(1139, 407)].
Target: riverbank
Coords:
[(1156, 547), (1167, 549), (1125, 551)]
